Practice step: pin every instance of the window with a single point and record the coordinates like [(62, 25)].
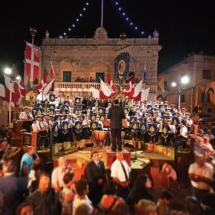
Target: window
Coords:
[(100, 75), (183, 98), (206, 74), (205, 97), (67, 76)]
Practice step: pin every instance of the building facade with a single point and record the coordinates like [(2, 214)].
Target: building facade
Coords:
[(198, 94), (76, 59)]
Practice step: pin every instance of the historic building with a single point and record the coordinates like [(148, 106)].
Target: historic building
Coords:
[(198, 94), (78, 60)]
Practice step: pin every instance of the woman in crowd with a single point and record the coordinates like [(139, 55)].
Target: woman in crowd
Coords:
[(109, 200), (24, 209), (145, 207), (140, 190)]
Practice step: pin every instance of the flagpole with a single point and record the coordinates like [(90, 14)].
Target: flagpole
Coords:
[(102, 12), (33, 32)]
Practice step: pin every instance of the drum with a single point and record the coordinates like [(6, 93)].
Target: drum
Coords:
[(100, 136), (106, 123)]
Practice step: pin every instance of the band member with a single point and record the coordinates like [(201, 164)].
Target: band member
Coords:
[(189, 121), (27, 118), (39, 127), (86, 127), (69, 134), (57, 127), (40, 97), (100, 124), (47, 122), (60, 100), (171, 131)]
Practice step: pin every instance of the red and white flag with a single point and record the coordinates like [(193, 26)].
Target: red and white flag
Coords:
[(32, 59), (111, 84), (106, 90), (52, 73), (10, 91), (42, 84), (20, 84)]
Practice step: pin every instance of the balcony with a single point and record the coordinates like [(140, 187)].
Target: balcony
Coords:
[(79, 86)]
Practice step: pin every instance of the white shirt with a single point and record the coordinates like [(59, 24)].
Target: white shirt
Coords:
[(41, 97), (117, 170), (183, 131), (24, 115), (78, 202), (37, 126), (57, 176), (204, 171)]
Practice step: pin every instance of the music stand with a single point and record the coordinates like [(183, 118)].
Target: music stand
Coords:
[(135, 128)]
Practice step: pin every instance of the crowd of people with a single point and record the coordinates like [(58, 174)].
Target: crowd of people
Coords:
[(36, 190)]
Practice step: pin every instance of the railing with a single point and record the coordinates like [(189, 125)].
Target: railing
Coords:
[(80, 86)]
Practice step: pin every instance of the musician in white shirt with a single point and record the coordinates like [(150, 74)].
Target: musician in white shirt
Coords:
[(27, 118), (40, 97)]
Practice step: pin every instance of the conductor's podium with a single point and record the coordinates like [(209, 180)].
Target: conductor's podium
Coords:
[(110, 157)]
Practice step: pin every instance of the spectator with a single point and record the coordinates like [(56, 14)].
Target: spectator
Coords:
[(24, 209), (200, 176), (198, 147), (26, 162), (110, 200), (207, 144), (122, 209), (11, 187), (140, 191), (92, 79), (163, 203), (57, 181), (171, 175), (210, 136), (83, 209), (67, 194), (145, 207), (192, 205), (41, 199), (81, 197), (34, 175)]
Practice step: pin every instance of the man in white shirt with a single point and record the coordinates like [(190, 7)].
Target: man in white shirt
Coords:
[(200, 176), (120, 172), (81, 197), (40, 97), (27, 118), (57, 180)]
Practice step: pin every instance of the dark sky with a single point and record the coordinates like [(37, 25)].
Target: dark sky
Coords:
[(185, 26)]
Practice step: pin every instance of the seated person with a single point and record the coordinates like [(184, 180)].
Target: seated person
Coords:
[(171, 175), (198, 147)]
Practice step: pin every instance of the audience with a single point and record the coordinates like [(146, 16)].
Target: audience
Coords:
[(145, 207), (162, 206), (24, 209)]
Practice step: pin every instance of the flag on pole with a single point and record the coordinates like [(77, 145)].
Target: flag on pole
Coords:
[(161, 84), (9, 91), (145, 94), (20, 84), (42, 84), (48, 87), (95, 93), (111, 84), (52, 72), (138, 88), (32, 59), (105, 88)]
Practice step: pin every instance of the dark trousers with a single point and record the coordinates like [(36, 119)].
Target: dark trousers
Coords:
[(116, 138), (198, 193), (122, 192)]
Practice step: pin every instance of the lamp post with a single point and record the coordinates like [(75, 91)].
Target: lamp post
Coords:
[(184, 80)]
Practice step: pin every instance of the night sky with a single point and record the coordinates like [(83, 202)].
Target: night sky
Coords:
[(185, 26)]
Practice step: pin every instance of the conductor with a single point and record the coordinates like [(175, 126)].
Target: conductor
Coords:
[(116, 114)]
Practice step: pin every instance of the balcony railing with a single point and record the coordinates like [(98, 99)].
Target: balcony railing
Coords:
[(80, 86)]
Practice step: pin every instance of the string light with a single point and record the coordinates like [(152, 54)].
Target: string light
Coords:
[(77, 20), (127, 18)]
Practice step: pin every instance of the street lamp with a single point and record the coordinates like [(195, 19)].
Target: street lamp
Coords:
[(184, 80)]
